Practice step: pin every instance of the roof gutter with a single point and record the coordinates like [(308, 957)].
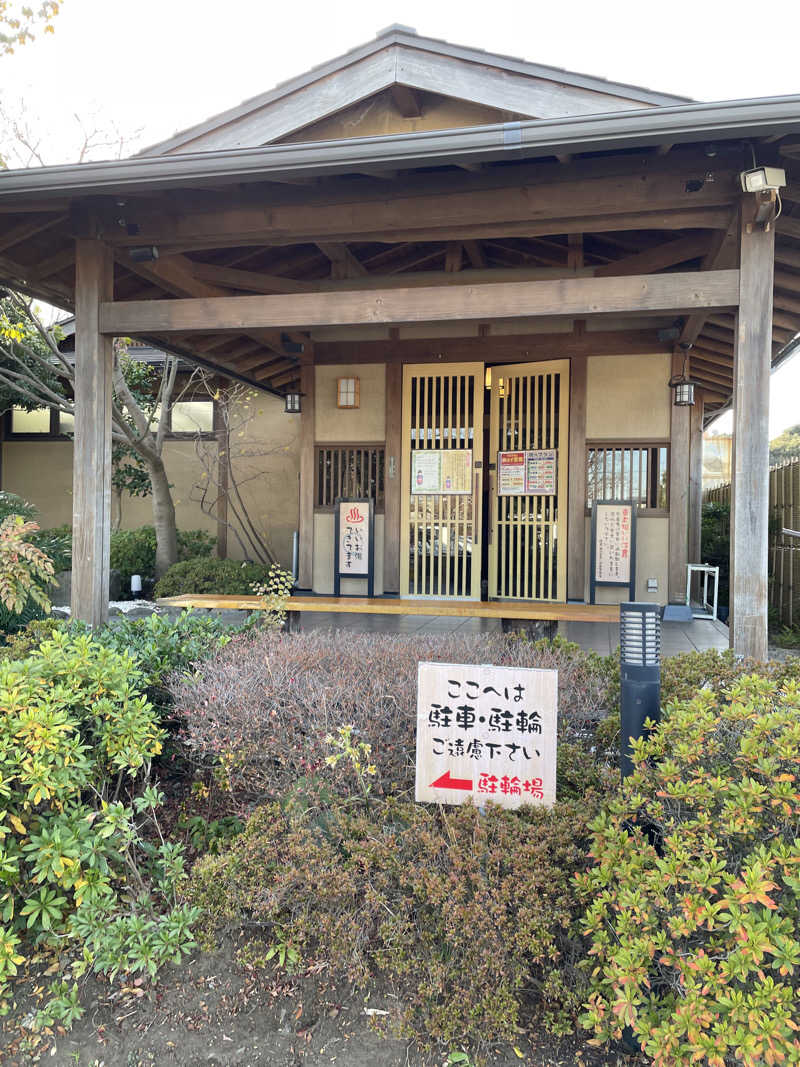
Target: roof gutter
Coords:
[(526, 139)]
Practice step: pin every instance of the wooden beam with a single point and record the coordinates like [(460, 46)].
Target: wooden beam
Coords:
[(393, 477), (249, 280), (28, 228), (343, 263), (678, 494), (722, 254), (657, 258), (91, 493), (750, 481), (565, 297), (454, 252), (785, 280), (406, 100), (475, 254), (305, 576), (576, 500)]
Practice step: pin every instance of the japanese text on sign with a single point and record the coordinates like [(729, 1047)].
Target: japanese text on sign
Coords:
[(486, 732), (353, 538), (613, 543), (532, 472), (436, 471)]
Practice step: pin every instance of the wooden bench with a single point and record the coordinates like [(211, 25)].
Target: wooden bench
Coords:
[(462, 609)]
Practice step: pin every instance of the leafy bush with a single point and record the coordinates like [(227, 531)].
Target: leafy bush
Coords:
[(265, 703), (11, 504), (75, 865), (694, 899), (25, 573), (56, 542), (134, 551), (223, 576), (467, 918)]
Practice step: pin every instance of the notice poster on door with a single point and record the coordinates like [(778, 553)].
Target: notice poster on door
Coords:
[(540, 471), (511, 473), (354, 538), (613, 543), (456, 470), (426, 472)]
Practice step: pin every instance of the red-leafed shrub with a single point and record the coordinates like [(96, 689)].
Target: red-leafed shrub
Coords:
[(265, 703)]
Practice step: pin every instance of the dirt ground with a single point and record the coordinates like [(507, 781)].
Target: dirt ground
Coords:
[(215, 1013)]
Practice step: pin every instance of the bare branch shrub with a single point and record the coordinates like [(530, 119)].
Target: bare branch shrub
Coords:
[(266, 702)]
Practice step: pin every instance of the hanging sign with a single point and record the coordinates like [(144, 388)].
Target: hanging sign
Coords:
[(438, 471), (613, 547), (354, 541), (486, 732), (532, 472)]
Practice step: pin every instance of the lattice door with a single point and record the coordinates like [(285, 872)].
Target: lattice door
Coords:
[(528, 532), (441, 530)]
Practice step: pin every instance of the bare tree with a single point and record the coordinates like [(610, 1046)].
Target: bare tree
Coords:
[(41, 375), (229, 463)]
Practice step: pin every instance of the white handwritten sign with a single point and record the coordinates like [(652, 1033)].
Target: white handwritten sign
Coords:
[(614, 528), (486, 732), (511, 473), (426, 471), (353, 539)]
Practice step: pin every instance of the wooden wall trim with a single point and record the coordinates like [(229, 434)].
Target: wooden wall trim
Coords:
[(393, 483), (576, 548), (305, 575), (678, 494)]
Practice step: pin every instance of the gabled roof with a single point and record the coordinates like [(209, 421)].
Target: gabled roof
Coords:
[(398, 57)]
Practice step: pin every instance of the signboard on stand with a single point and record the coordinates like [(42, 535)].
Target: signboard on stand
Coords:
[(354, 542), (613, 549), (439, 471), (529, 473), (486, 732)]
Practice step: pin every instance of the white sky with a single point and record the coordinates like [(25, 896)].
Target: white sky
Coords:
[(150, 67)]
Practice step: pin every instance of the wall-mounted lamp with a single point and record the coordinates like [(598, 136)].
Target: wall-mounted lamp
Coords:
[(292, 403), (348, 393), (761, 179), (681, 385)]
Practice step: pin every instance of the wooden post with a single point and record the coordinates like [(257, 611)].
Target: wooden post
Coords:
[(696, 476), (750, 482), (576, 523), (223, 465), (91, 495), (678, 493), (308, 433), (393, 476)]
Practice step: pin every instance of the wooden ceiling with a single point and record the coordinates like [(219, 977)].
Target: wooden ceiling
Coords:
[(440, 226)]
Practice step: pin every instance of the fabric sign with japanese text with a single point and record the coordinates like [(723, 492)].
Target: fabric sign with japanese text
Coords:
[(353, 538), (486, 732)]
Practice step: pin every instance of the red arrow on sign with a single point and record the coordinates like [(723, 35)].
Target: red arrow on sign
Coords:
[(446, 782)]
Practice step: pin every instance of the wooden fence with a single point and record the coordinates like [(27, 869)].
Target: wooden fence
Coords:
[(784, 547)]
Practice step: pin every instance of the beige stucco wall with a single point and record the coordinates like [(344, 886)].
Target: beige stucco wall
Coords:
[(652, 557), (627, 397), (265, 460), (364, 424)]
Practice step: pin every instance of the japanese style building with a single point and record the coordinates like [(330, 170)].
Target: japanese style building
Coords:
[(488, 285)]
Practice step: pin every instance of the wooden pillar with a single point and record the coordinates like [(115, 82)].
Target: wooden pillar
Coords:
[(308, 433), (576, 523), (393, 476), (223, 466), (750, 477), (91, 492), (696, 476), (678, 493)]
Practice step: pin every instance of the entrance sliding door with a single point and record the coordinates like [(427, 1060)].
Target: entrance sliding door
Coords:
[(442, 481), (528, 453)]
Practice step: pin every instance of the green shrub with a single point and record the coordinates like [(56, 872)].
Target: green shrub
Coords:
[(467, 919), (693, 905), (25, 573), (56, 542), (223, 576), (11, 504), (134, 551), (76, 735)]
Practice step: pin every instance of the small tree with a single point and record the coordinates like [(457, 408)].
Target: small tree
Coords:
[(35, 373), (18, 21)]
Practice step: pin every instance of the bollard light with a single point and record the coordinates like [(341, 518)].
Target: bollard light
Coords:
[(640, 674)]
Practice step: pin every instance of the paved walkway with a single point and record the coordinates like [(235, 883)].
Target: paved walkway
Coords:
[(603, 637)]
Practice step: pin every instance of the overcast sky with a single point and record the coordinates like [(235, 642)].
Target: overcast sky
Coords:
[(145, 68)]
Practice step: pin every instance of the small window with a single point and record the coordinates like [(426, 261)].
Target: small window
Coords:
[(193, 416), (347, 392), (354, 470), (628, 472), (66, 422), (36, 421)]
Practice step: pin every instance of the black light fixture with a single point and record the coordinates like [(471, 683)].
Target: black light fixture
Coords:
[(292, 403), (145, 254), (682, 385)]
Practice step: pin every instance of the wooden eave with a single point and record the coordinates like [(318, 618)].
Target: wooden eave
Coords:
[(647, 210)]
